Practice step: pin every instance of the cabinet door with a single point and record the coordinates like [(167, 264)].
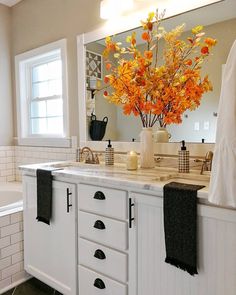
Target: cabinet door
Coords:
[(216, 252), (146, 247), (50, 250)]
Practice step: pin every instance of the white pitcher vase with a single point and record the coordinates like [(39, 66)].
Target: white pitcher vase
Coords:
[(146, 148), (161, 135)]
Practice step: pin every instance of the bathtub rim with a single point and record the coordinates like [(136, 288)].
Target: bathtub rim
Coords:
[(18, 208), (11, 186)]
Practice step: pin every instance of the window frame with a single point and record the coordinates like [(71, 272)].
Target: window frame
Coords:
[(23, 65)]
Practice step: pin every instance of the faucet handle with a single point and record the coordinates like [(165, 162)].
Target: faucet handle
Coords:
[(86, 157), (209, 156), (207, 162), (96, 158)]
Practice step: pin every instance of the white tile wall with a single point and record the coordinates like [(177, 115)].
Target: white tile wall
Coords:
[(32, 155), (11, 250), (11, 226), (7, 163), (13, 156)]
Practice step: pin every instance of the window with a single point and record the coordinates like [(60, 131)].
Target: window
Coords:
[(41, 87)]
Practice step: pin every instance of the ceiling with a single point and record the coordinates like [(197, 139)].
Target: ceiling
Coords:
[(9, 2), (206, 15)]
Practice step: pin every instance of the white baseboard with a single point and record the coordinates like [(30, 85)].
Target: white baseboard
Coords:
[(15, 284)]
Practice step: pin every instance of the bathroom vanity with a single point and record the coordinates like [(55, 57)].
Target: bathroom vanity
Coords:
[(111, 240)]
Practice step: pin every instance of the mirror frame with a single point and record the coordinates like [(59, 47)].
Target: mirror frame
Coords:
[(127, 23)]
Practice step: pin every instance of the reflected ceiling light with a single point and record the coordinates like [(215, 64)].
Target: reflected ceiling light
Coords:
[(113, 8)]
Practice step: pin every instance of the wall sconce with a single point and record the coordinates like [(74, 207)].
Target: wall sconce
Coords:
[(113, 8)]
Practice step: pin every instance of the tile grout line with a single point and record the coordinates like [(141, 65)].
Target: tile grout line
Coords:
[(14, 291)]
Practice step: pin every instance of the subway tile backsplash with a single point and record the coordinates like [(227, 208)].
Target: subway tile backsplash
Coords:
[(13, 156), (7, 163), (32, 155)]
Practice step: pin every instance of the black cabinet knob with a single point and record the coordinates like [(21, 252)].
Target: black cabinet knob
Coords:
[(98, 283), (99, 254), (99, 224), (99, 196)]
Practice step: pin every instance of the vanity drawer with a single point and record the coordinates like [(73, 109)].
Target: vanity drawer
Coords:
[(103, 285), (103, 259), (105, 201), (103, 230)]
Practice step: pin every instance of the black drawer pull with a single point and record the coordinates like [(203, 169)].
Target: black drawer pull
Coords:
[(68, 205), (98, 283), (99, 196), (99, 224), (99, 254), (130, 212)]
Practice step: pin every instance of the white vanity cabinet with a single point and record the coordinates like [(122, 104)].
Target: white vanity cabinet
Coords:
[(216, 251), (103, 240), (50, 250), (117, 246)]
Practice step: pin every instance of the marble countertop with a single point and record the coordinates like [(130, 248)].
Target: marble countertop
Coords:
[(151, 180)]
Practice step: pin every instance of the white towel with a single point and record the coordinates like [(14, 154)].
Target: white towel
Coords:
[(222, 190)]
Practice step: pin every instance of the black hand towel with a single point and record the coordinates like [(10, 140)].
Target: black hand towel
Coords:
[(44, 195), (180, 225)]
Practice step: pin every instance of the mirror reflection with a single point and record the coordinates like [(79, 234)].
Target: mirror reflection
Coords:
[(107, 121)]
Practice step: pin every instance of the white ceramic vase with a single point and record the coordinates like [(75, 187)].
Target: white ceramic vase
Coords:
[(146, 148), (161, 135)]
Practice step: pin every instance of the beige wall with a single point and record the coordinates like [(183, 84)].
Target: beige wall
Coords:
[(224, 32), (6, 126), (38, 22)]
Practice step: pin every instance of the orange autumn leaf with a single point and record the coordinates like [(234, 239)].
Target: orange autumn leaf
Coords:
[(108, 66), (106, 79), (146, 36), (205, 50), (133, 41), (148, 54), (149, 26), (188, 62), (127, 109), (210, 41)]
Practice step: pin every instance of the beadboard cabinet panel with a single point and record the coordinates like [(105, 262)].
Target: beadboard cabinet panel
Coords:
[(50, 250), (216, 252)]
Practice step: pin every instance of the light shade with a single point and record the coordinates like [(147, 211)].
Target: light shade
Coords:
[(113, 8)]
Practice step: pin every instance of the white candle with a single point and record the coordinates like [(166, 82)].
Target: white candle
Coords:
[(132, 161)]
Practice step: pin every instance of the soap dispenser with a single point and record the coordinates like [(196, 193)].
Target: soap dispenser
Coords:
[(109, 154), (183, 159)]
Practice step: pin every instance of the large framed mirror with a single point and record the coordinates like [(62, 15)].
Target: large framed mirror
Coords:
[(219, 21)]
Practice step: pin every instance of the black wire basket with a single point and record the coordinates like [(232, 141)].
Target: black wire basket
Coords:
[(97, 128)]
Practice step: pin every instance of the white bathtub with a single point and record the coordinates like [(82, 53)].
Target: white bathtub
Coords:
[(10, 198)]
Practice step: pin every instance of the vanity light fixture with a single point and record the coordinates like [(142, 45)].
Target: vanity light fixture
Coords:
[(113, 8)]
